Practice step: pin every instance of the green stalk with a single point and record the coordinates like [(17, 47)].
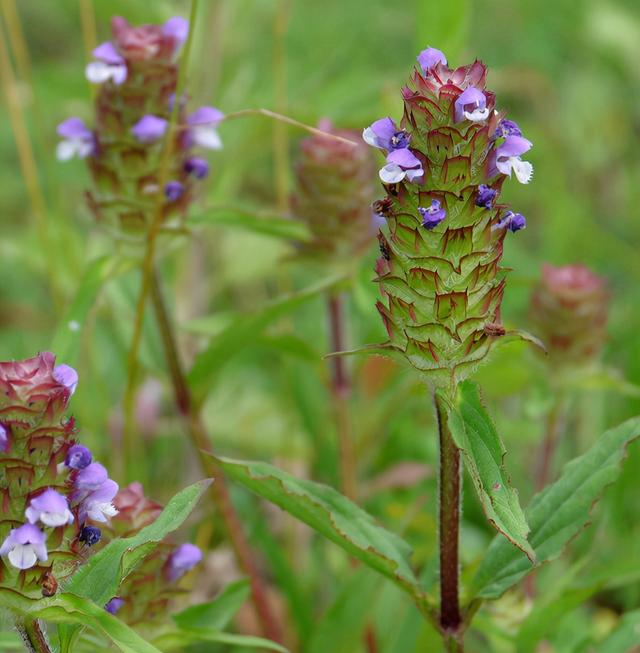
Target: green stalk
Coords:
[(33, 636)]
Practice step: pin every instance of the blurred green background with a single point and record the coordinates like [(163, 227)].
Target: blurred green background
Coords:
[(567, 71)]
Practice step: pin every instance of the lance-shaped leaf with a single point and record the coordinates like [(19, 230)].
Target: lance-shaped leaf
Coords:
[(98, 579), (483, 451), (67, 608), (335, 517), (558, 513)]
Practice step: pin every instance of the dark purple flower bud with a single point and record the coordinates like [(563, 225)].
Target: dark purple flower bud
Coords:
[(66, 376), (90, 535), (110, 65), (183, 559), (149, 129), (4, 439), (197, 167), (485, 196), (78, 457), (431, 57), (433, 215), (114, 605), (77, 140), (507, 128), (512, 221), (472, 105), (24, 546), (173, 191), (401, 164)]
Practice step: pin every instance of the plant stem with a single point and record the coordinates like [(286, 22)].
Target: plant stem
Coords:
[(33, 636), (450, 619), (341, 391), (200, 440), (549, 443)]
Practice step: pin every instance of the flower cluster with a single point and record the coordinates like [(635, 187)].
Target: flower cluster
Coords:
[(441, 246), (146, 594), (52, 492), (569, 308), (137, 76), (334, 192)]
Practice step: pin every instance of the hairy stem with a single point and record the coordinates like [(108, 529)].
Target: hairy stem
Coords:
[(450, 618), (33, 636), (341, 391), (219, 492)]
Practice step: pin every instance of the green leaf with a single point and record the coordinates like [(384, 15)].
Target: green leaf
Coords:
[(335, 517), (242, 332), (66, 342), (558, 513), (624, 637), (99, 578), (66, 608), (218, 613), (177, 639), (483, 451), (268, 224)]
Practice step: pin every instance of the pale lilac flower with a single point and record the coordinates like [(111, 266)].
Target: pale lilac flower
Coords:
[(431, 57), (98, 504), (176, 28), (78, 457), (385, 135), (472, 105), (65, 375), (110, 65), (197, 167), (90, 535), (77, 140), (183, 559), (511, 221), (202, 127), (4, 439), (433, 215), (89, 478), (485, 196), (149, 128), (507, 158), (173, 191), (400, 164), (507, 128), (114, 605), (24, 546), (50, 508), (377, 221)]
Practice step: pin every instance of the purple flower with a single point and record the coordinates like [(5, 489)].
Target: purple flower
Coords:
[(431, 57), (472, 105), (4, 439), (385, 134), (202, 127), (50, 508), (512, 221), (197, 167), (149, 129), (98, 504), (110, 65), (90, 535), (173, 191), (507, 158), (181, 560), (114, 605), (377, 221), (24, 545), (433, 215), (176, 28), (77, 140), (88, 479), (78, 457), (66, 376), (507, 128), (485, 196), (400, 164)]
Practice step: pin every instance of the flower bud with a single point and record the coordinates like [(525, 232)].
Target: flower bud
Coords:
[(569, 308)]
